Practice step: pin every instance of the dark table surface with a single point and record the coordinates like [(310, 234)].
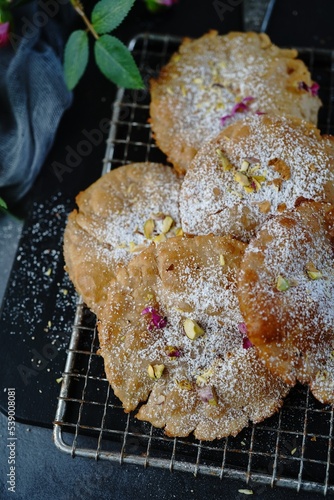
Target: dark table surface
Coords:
[(37, 315)]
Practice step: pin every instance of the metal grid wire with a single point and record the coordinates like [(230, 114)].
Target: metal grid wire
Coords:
[(293, 448)]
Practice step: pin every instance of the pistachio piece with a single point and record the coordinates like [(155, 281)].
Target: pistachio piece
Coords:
[(321, 375), (155, 371), (222, 260), (312, 272), (242, 179), (167, 224), (192, 329), (224, 161), (203, 378), (244, 166), (185, 385), (282, 284), (149, 228), (132, 246), (158, 239), (179, 231)]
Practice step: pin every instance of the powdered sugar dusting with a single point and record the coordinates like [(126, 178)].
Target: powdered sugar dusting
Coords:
[(203, 82), (108, 230), (303, 315), (290, 157), (199, 288)]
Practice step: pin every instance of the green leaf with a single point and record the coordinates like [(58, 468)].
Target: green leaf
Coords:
[(116, 62), (75, 58), (3, 204), (153, 6), (108, 14)]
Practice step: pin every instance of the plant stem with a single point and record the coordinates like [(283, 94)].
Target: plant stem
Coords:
[(80, 10)]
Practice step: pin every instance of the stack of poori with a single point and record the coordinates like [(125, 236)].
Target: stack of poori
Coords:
[(213, 280)]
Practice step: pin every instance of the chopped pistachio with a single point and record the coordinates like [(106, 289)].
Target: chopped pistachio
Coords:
[(244, 166), (321, 375), (255, 168), (58, 380), (185, 385), (246, 492), (203, 378), (331, 355), (167, 224), (222, 260), (249, 189), (242, 179), (155, 371), (158, 239), (179, 231), (213, 401), (192, 329), (198, 81), (132, 246), (312, 272), (282, 284), (149, 228), (48, 272), (224, 161), (169, 91), (136, 248), (293, 451)]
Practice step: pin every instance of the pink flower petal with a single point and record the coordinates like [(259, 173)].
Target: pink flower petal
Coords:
[(246, 343), (239, 107), (4, 33), (206, 394), (157, 321), (174, 353), (313, 89), (242, 328)]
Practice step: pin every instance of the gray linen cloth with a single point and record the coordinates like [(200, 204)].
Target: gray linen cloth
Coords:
[(33, 94)]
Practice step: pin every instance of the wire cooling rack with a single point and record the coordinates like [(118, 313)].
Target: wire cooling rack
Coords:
[(292, 449)]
